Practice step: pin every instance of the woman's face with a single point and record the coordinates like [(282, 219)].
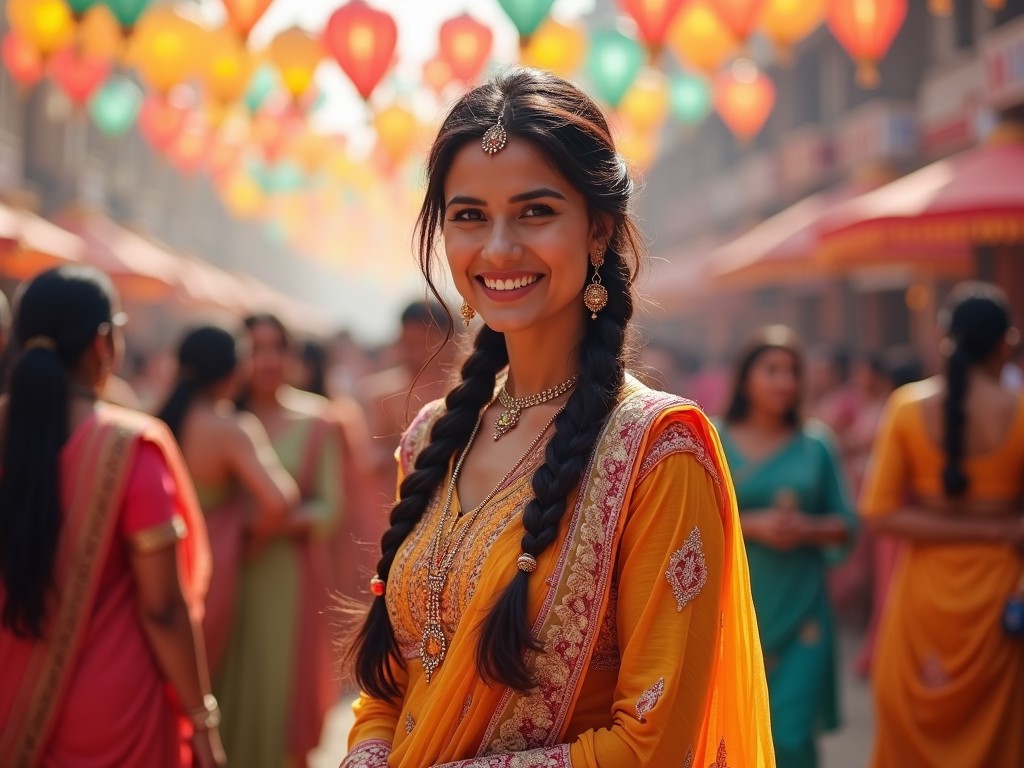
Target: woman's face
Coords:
[(518, 237), (773, 384), (268, 358)]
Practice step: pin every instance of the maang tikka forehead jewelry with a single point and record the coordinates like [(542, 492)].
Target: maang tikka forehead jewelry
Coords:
[(495, 138)]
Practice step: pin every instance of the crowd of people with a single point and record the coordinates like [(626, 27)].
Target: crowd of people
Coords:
[(577, 568)]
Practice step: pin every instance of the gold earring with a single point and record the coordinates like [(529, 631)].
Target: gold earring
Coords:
[(467, 313), (595, 297)]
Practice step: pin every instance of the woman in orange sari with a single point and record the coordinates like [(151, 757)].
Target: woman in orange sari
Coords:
[(103, 556), (947, 479), (564, 580)]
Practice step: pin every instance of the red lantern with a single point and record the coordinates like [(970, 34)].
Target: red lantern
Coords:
[(243, 14), (362, 41), (22, 61), (78, 76), (866, 29), (161, 120), (465, 44), (653, 18), (739, 16), (744, 97)]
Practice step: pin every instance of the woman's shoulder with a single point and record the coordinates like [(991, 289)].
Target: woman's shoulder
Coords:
[(416, 435)]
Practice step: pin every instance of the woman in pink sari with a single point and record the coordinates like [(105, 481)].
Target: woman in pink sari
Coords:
[(103, 556)]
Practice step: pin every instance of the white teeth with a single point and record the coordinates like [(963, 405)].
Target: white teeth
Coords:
[(510, 285)]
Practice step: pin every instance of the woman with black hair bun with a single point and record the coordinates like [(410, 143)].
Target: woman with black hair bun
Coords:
[(104, 559), (563, 581), (241, 485), (947, 479)]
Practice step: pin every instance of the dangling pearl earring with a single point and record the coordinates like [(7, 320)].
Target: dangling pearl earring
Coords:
[(595, 297)]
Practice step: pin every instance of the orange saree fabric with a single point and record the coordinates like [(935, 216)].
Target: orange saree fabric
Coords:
[(90, 693), (643, 606), (949, 683)]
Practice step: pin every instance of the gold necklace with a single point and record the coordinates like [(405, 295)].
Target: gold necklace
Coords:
[(514, 406), (433, 643)]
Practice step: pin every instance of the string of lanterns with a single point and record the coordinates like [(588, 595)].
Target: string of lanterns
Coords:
[(208, 102)]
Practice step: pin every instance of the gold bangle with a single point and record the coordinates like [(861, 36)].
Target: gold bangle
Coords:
[(208, 716)]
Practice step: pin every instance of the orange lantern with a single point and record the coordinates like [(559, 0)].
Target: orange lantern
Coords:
[(78, 77), (437, 73), (556, 47), (225, 66), (787, 22), (47, 25), (699, 39), (362, 40), (646, 104), (638, 146), (309, 150), (161, 120), (296, 54), (739, 16), (744, 97), (397, 128), (866, 29), (99, 34), (243, 14), (465, 44), (652, 18), (163, 48), (22, 60)]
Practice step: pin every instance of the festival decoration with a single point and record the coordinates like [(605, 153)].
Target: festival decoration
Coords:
[(46, 25), (79, 77), (80, 7), (866, 29), (653, 18), (127, 12), (787, 22), (164, 48), (296, 54), (744, 97), (739, 16), (362, 40), (526, 15), (243, 14), (225, 67), (263, 82), (437, 74), (189, 150), (465, 45), (689, 98), (22, 60), (646, 105), (556, 47), (161, 119), (397, 128), (115, 107), (613, 62), (699, 39), (99, 34)]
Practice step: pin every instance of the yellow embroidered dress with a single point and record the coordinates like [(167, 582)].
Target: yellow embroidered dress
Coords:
[(642, 603)]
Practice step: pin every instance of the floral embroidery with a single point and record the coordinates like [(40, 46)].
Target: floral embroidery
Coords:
[(606, 652), (550, 757), (648, 699), (410, 722), (417, 435), (687, 570), (688, 762), (680, 438), (373, 753), (720, 761), (466, 704)]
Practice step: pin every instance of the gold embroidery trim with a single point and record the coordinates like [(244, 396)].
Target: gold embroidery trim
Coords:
[(159, 536)]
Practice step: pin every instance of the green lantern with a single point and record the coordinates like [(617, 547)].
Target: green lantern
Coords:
[(80, 7), (690, 98), (527, 15), (127, 12), (613, 62), (115, 107), (263, 83)]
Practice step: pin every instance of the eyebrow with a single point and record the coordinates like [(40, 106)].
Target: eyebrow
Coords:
[(524, 197)]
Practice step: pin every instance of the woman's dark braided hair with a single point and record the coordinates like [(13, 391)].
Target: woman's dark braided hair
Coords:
[(569, 129), (976, 320)]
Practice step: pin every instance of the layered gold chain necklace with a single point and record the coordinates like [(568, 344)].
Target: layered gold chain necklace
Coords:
[(434, 643)]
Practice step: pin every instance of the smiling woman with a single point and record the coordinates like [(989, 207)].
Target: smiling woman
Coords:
[(564, 580)]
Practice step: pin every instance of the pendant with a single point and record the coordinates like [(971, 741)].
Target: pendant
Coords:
[(506, 423), (433, 643)]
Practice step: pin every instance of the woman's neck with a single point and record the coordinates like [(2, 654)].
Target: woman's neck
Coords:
[(265, 401), (766, 423), (539, 361)]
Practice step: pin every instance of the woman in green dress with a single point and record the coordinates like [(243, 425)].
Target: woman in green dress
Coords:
[(796, 518), (278, 681)]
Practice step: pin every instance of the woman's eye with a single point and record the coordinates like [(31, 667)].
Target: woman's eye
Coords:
[(468, 214), (538, 210)]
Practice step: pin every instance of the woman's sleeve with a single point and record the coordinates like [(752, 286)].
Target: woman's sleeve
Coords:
[(150, 519), (885, 483), (371, 736)]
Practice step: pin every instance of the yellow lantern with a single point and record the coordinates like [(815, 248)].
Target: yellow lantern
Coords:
[(296, 54), (646, 104), (556, 47), (163, 48), (699, 39), (309, 149), (639, 147), (397, 129), (47, 25), (99, 34), (243, 196), (787, 22), (225, 66)]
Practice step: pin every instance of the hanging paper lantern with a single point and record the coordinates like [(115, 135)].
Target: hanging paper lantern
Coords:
[(527, 15), (127, 12), (437, 74), (99, 34), (744, 97), (296, 54), (940, 7), (115, 107), (243, 14), (46, 25), (699, 39), (653, 18), (225, 66), (79, 77), (556, 47), (163, 48), (465, 44), (613, 62), (739, 16), (243, 196), (397, 129), (639, 147), (22, 60), (262, 84), (79, 7), (161, 120), (646, 104), (787, 22), (866, 29), (689, 97), (362, 40)]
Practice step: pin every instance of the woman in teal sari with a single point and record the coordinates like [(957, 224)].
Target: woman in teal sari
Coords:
[(796, 518)]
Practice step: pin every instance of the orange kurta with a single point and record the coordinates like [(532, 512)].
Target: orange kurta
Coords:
[(642, 603), (949, 683)]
